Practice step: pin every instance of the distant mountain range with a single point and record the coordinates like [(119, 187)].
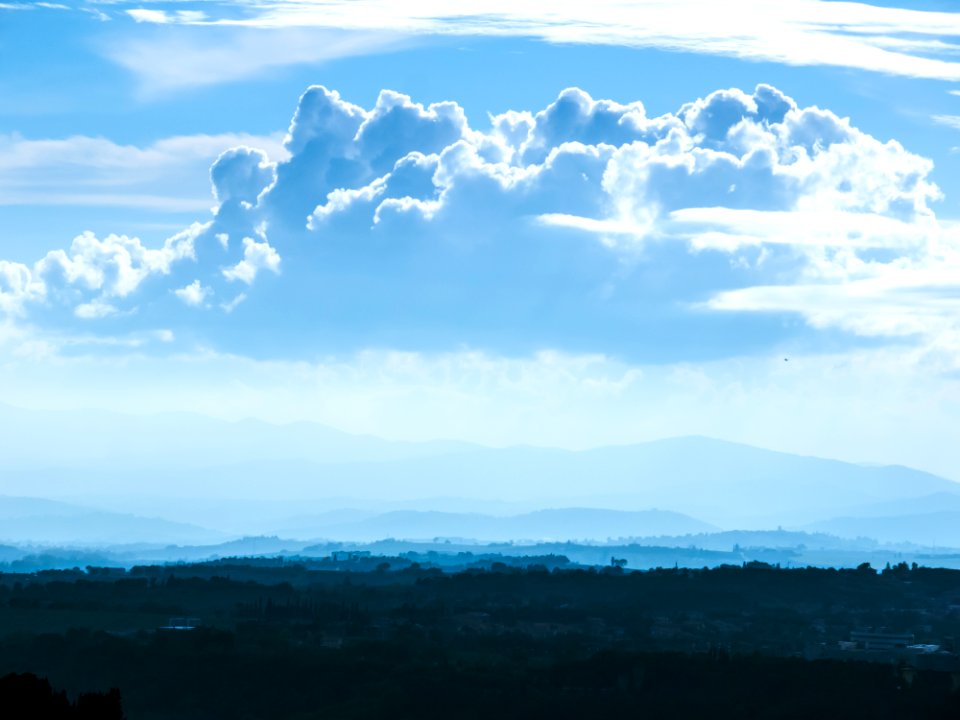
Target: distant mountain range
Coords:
[(930, 529), (544, 525), (32, 520), (37, 439), (255, 477)]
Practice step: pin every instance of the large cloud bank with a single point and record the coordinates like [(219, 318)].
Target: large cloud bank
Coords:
[(587, 224)]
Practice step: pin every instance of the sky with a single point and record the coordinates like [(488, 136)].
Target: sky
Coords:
[(566, 224)]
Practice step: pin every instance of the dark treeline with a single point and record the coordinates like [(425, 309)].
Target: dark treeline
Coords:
[(280, 639), (24, 696)]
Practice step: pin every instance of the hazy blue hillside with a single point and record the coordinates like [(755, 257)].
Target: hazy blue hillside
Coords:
[(18, 507), (10, 552), (723, 483), (113, 441), (933, 503), (30, 520), (562, 524), (931, 529), (709, 549), (248, 476)]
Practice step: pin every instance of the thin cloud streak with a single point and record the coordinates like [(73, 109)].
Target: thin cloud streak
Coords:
[(168, 174), (191, 57), (896, 41)]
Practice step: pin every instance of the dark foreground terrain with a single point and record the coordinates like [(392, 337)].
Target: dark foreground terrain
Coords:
[(358, 638)]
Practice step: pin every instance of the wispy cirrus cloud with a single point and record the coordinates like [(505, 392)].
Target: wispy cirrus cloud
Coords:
[(724, 228), (162, 17), (168, 174), (951, 121), (897, 41), (204, 53), (917, 296)]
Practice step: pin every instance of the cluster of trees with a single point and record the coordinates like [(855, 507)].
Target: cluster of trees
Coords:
[(283, 640), (218, 675), (24, 696)]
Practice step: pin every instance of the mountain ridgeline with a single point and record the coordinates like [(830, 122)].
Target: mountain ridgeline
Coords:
[(193, 479)]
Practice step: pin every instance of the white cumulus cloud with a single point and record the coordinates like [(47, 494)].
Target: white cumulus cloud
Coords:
[(193, 294), (257, 256), (587, 219)]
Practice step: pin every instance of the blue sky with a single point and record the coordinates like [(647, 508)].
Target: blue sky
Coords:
[(570, 224)]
